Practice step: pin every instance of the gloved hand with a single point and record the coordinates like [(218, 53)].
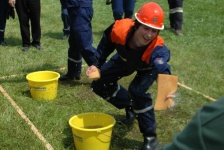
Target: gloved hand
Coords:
[(11, 13)]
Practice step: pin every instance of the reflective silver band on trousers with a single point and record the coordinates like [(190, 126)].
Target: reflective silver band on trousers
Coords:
[(115, 93), (175, 10), (76, 61), (143, 110)]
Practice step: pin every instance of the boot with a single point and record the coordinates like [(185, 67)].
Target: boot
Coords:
[(150, 143), (130, 116), (179, 33), (2, 43), (67, 77), (74, 71)]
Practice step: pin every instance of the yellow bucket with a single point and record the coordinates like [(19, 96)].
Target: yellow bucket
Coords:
[(43, 84), (92, 131)]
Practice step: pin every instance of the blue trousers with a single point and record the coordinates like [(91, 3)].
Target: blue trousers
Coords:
[(80, 39), (108, 88), (176, 14), (123, 7)]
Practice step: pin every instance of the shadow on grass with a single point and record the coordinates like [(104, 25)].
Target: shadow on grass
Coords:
[(68, 140), (12, 41), (54, 35), (73, 83), (46, 66), (26, 93), (120, 140)]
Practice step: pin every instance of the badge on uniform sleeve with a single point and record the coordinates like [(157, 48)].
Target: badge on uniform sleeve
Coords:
[(159, 60)]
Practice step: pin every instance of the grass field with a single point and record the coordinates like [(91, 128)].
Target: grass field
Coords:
[(196, 58)]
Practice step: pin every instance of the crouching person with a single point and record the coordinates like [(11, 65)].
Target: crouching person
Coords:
[(140, 49)]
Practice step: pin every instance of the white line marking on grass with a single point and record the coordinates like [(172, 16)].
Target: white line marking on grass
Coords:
[(10, 76), (21, 113), (180, 84), (206, 96), (15, 75)]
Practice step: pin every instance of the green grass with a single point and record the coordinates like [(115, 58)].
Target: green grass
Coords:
[(197, 60)]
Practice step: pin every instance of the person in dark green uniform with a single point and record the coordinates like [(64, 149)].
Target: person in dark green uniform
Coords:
[(204, 131)]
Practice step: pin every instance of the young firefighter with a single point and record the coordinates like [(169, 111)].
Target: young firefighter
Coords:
[(141, 49)]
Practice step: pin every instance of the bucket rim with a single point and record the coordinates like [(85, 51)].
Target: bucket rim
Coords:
[(97, 129), (45, 71)]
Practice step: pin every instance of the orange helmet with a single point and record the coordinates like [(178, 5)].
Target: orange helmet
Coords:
[(151, 15)]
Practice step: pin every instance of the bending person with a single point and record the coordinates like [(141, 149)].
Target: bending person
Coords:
[(141, 49)]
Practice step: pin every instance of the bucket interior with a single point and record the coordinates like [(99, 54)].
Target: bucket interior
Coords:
[(43, 76), (92, 121)]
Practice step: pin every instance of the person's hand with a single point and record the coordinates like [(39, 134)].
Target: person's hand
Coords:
[(170, 96), (90, 70), (12, 3), (169, 101), (93, 72)]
